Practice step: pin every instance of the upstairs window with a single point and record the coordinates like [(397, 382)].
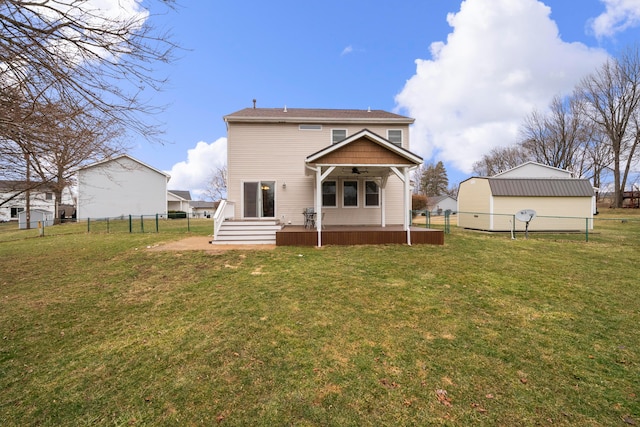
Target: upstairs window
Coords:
[(395, 136), (338, 135)]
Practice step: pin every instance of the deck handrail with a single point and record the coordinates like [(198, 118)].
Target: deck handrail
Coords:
[(225, 210)]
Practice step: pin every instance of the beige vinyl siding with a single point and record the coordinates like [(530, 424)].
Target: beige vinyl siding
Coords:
[(277, 152), (474, 204), (553, 213)]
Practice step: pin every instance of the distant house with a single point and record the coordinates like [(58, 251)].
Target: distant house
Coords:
[(179, 201), (438, 205), (41, 196), (534, 170), (202, 209), (560, 202), (121, 186)]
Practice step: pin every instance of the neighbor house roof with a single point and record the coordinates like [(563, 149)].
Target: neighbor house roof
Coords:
[(540, 187), (437, 199), (201, 204), (183, 194), (315, 115), (16, 185), (102, 162)]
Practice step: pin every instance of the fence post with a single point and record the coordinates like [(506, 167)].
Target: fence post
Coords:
[(130, 225), (88, 225), (142, 223), (108, 230), (188, 223), (586, 229), (157, 229), (427, 218), (447, 225)]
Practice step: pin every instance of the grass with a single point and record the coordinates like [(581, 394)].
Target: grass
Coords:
[(98, 330)]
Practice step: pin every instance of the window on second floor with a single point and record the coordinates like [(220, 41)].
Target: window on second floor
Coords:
[(48, 196), (395, 136), (338, 135)]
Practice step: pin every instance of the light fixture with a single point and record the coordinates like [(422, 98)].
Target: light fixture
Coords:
[(284, 185)]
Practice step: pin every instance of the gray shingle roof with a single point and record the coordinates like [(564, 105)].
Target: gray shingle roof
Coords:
[(312, 115), (540, 187), (184, 194)]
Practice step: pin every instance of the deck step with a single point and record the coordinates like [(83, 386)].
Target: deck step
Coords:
[(247, 232)]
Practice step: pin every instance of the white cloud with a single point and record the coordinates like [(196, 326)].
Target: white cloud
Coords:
[(502, 59), (347, 50), (619, 15), (202, 161)]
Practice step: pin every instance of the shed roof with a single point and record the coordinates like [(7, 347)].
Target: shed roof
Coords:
[(540, 187)]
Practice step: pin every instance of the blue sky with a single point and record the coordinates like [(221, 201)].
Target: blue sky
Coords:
[(467, 71)]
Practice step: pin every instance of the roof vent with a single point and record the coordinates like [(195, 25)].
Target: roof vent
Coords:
[(285, 109), (254, 103)]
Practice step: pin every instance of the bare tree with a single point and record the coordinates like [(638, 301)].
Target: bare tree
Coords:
[(611, 99), (217, 184), (500, 159), (73, 76), (556, 138)]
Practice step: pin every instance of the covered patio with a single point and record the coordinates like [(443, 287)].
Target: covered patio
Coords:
[(379, 168), (294, 235)]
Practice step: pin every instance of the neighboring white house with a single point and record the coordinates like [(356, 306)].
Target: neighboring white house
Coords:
[(179, 201), (560, 202), (202, 209), (534, 170), (438, 205), (119, 187), (41, 197)]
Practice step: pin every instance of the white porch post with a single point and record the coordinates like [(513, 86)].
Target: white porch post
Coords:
[(319, 204), (383, 201), (407, 204)]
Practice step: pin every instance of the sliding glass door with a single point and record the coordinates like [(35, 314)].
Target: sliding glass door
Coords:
[(259, 199)]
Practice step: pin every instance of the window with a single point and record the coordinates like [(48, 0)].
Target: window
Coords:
[(310, 127), (48, 196), (350, 193), (338, 135), (329, 193), (372, 193), (15, 212), (395, 136)]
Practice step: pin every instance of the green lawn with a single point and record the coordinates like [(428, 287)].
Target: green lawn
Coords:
[(98, 330)]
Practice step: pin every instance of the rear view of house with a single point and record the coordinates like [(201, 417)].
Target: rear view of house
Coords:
[(344, 167)]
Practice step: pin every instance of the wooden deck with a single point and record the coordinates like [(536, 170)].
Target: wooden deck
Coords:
[(294, 235)]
